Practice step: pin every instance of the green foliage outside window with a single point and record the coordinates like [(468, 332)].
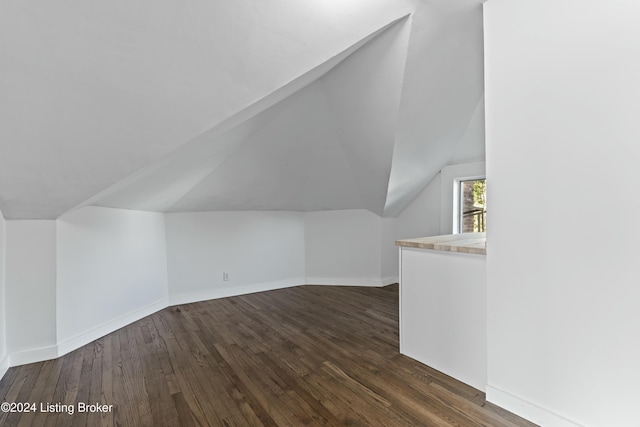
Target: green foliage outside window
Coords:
[(474, 205), (480, 193)]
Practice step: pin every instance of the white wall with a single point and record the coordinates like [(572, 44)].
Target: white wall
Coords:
[(343, 248), (4, 359), (259, 250), (471, 146), (112, 270), (30, 290), (422, 217), (443, 312), (358, 247), (562, 96), (389, 251)]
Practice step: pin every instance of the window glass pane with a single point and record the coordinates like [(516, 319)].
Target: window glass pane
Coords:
[(474, 206)]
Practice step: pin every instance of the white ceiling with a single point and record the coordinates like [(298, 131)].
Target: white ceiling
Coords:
[(244, 105)]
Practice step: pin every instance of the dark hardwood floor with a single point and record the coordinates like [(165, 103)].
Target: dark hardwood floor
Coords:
[(311, 355)]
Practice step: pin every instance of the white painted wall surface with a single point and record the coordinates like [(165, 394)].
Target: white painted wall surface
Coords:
[(112, 270), (30, 290), (443, 312), (471, 147), (389, 251), (4, 359), (259, 251), (562, 96), (343, 248), (422, 217)]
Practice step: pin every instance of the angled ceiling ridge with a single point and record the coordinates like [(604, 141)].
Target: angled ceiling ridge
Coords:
[(297, 85), (243, 115), (392, 205), (391, 96)]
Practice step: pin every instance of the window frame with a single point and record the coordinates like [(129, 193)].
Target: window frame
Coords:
[(450, 177), (458, 202)]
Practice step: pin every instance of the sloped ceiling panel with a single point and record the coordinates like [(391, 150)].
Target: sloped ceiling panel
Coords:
[(160, 186), (294, 163), (364, 96), (442, 89), (162, 183), (157, 105), (327, 146), (93, 92)]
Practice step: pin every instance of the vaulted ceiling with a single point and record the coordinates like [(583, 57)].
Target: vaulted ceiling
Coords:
[(243, 105)]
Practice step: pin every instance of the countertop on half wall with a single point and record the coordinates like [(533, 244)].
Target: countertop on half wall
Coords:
[(471, 243)]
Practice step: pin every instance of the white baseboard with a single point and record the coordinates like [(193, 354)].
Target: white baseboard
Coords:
[(359, 281), (52, 352), (32, 356), (527, 410), (73, 343), (465, 374), (233, 291), (386, 281), (4, 365)]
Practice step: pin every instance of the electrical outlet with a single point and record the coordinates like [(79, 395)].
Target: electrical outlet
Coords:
[(225, 276)]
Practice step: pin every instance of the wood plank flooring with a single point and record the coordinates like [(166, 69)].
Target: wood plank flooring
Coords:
[(310, 355)]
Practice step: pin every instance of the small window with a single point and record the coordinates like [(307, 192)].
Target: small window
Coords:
[(473, 206)]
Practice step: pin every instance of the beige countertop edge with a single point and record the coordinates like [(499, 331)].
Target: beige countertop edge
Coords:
[(471, 243)]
